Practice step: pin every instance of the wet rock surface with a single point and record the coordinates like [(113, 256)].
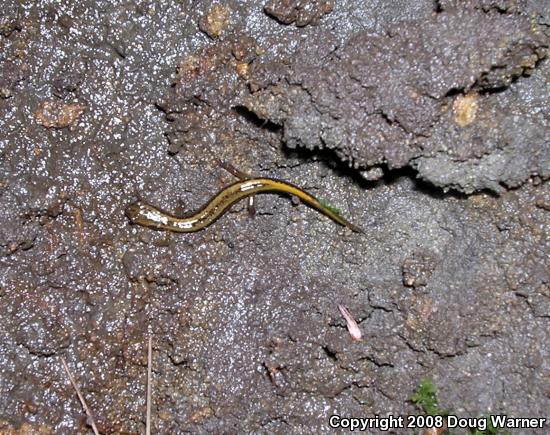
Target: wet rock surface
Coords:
[(300, 12), (386, 100), (246, 329)]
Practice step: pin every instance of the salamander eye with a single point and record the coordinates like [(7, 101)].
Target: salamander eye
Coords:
[(133, 211)]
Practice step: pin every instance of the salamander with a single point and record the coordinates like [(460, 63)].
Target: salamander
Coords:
[(149, 216)]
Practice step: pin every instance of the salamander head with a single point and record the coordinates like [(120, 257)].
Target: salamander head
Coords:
[(133, 211), (146, 215)]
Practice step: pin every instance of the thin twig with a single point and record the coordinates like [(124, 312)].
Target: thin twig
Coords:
[(80, 397), (149, 364)]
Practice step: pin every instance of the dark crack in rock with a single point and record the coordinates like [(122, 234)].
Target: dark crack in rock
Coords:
[(524, 258), (502, 6), (196, 102), (322, 375), (383, 99), (300, 12), (10, 19), (10, 74)]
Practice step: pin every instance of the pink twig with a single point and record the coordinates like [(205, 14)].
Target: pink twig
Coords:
[(353, 327)]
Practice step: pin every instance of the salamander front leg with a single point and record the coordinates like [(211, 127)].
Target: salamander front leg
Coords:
[(241, 176), (234, 171)]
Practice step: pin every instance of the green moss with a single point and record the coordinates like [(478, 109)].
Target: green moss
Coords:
[(490, 429), (425, 398)]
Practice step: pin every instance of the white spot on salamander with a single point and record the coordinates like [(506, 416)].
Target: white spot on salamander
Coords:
[(155, 217), (185, 225), (248, 185)]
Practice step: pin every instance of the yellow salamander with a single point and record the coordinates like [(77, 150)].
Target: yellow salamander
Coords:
[(149, 216)]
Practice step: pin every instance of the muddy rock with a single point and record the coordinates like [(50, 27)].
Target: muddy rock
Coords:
[(10, 74), (300, 12), (247, 335), (496, 141), (383, 99), (56, 114), (215, 21), (417, 269)]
